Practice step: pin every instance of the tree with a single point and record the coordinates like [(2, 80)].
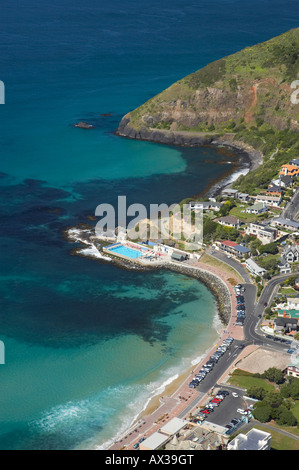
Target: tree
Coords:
[(285, 417), (262, 412), (269, 248), (274, 375), (256, 392)]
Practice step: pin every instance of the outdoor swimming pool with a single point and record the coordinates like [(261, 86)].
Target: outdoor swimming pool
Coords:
[(126, 251)]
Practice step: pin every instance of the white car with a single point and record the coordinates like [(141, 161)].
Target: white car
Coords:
[(234, 394), (242, 412)]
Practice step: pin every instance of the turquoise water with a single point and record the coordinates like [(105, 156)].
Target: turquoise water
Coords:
[(83, 337), (128, 252)]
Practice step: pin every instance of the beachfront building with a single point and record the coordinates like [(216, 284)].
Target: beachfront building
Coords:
[(253, 440), (264, 233), (159, 438), (254, 268)]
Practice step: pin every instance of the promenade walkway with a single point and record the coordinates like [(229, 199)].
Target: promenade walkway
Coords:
[(183, 397)]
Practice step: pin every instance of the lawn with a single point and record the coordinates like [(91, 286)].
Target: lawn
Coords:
[(240, 212), (280, 441), (245, 380), (211, 261)]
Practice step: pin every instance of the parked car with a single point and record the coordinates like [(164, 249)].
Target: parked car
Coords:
[(234, 394), (223, 392)]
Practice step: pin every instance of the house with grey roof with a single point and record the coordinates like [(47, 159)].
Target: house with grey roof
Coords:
[(230, 221), (287, 224)]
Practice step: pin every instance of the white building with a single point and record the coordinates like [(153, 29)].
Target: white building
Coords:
[(257, 208), (264, 233), (273, 201), (293, 303), (205, 206), (253, 440), (254, 268)]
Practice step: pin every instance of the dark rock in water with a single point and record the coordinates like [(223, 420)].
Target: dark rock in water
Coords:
[(83, 125)]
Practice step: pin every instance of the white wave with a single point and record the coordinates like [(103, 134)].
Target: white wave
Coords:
[(93, 252)]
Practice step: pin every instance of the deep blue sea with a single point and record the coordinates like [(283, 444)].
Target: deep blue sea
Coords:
[(88, 343)]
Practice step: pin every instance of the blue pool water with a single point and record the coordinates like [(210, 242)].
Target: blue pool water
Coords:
[(128, 252), (87, 343)]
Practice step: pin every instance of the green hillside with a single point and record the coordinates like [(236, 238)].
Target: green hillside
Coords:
[(246, 95)]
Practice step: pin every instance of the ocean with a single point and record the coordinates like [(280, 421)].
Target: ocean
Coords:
[(87, 343)]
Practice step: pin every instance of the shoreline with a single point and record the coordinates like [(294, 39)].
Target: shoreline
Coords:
[(249, 158), (247, 161)]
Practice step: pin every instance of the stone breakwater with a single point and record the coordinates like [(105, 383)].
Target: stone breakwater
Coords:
[(214, 284), (217, 286)]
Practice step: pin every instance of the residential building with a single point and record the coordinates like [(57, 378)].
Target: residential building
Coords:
[(285, 325), (274, 190), (227, 246), (241, 251), (284, 266), (291, 253), (273, 201), (293, 371), (293, 303), (230, 193), (286, 181), (289, 170), (243, 197), (295, 162), (205, 205), (257, 208), (288, 313), (230, 221), (255, 439), (288, 224), (254, 268), (263, 232)]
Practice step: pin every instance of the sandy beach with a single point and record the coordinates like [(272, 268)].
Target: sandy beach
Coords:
[(177, 395)]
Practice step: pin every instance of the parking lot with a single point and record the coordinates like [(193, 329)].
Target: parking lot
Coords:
[(226, 410)]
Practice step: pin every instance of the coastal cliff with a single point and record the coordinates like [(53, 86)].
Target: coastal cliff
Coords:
[(243, 100)]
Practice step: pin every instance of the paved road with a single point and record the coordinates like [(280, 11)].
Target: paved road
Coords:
[(231, 262), (291, 211), (251, 326)]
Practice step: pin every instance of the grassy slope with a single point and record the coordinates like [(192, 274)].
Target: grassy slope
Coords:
[(247, 93)]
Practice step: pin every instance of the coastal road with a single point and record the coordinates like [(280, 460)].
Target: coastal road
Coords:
[(251, 331), (231, 262)]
